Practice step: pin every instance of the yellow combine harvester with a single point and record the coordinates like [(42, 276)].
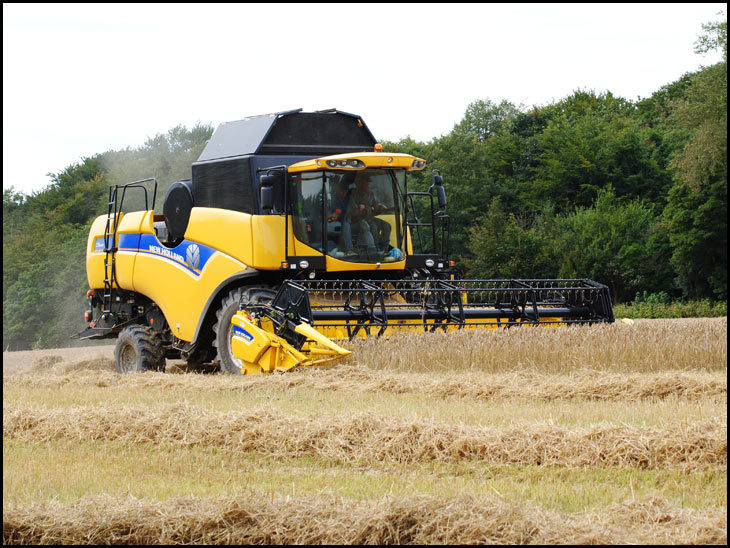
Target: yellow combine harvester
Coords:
[(296, 230)]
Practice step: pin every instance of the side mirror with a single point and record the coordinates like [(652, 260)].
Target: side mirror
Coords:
[(267, 192), (441, 192), (438, 182)]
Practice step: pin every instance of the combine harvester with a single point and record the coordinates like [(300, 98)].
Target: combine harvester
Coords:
[(296, 230)]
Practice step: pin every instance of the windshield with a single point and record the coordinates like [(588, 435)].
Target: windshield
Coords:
[(353, 216)]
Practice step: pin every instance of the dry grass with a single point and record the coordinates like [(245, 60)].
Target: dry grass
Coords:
[(369, 437), (325, 519)]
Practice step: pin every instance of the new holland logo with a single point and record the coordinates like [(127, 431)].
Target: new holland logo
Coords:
[(192, 256), (245, 335)]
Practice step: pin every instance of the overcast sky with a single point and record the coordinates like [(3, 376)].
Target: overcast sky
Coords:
[(81, 79)]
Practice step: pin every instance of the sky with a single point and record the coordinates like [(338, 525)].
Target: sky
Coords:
[(82, 79)]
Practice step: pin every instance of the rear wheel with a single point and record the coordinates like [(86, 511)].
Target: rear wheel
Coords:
[(223, 328), (139, 349)]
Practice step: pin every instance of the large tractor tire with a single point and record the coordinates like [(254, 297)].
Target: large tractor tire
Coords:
[(139, 349), (223, 328)]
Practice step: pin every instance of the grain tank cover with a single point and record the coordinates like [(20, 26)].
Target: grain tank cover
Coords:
[(225, 175), (295, 132)]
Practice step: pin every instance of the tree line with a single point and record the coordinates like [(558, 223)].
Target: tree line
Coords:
[(632, 194), (629, 193)]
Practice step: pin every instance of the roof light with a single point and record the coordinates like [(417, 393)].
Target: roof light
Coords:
[(352, 163), (378, 147), (418, 164)]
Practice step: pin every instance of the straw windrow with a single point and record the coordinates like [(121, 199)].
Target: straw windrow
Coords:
[(370, 437), (325, 519), (580, 385)]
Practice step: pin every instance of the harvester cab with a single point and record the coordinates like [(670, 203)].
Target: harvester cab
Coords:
[(296, 230), (349, 212)]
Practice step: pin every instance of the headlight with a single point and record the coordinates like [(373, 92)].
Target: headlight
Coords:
[(303, 264), (429, 263)]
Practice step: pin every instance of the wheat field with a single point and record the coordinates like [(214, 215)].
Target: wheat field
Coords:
[(583, 435)]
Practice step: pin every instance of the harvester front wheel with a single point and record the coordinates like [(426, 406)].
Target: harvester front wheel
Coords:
[(139, 349), (223, 327)]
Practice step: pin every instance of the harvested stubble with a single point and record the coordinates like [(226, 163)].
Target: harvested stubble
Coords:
[(580, 385), (256, 518), (371, 438)]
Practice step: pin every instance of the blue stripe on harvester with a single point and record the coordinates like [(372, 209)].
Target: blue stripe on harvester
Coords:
[(190, 255)]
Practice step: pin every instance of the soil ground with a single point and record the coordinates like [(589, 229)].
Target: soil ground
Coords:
[(15, 363)]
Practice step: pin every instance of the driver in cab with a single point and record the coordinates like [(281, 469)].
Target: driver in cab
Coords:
[(364, 207)]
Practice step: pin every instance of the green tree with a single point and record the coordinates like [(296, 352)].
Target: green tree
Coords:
[(45, 234), (704, 112), (484, 118), (592, 142), (696, 212), (504, 245), (44, 245), (610, 242), (619, 243), (697, 221)]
